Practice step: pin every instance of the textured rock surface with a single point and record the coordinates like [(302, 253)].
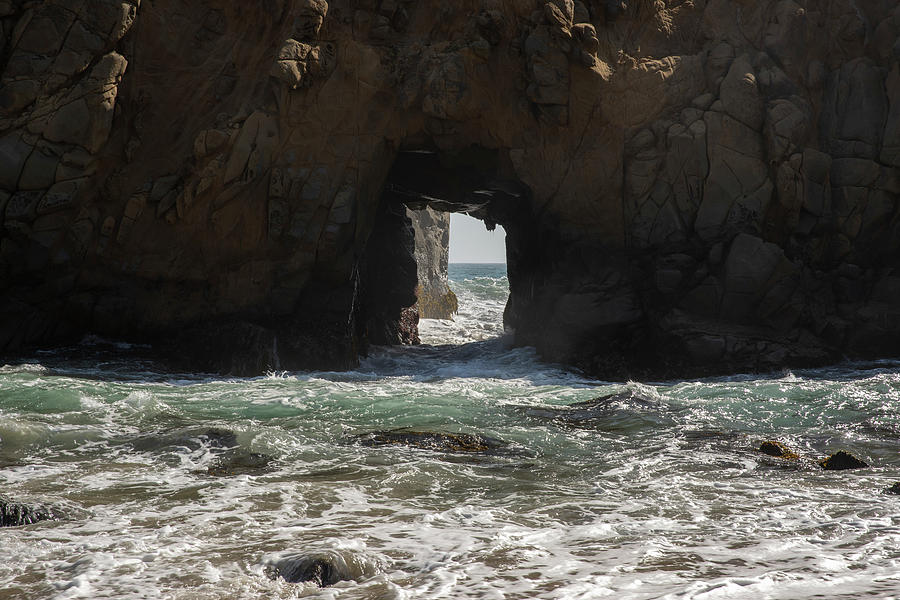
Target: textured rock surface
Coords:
[(435, 298), (686, 185), (16, 514), (841, 461)]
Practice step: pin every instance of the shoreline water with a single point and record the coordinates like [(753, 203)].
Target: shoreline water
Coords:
[(658, 493)]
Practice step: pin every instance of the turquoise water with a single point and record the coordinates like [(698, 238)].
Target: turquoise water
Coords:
[(656, 493)]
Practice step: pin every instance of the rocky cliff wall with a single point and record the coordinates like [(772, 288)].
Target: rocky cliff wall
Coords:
[(685, 185), (432, 230)]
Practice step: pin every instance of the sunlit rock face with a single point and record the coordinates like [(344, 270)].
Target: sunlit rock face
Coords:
[(705, 185), (435, 299)]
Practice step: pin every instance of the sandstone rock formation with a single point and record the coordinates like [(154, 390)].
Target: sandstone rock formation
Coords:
[(686, 185), (432, 230)]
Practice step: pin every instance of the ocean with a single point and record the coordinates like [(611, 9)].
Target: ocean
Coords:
[(191, 486)]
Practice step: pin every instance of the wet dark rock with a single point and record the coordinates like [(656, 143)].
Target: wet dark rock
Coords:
[(840, 461), (16, 514), (620, 411), (238, 348), (191, 439), (239, 462), (894, 489), (323, 569), (777, 449), (215, 437), (628, 398), (430, 440)]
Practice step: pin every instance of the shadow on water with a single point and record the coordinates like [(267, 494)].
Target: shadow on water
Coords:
[(495, 358)]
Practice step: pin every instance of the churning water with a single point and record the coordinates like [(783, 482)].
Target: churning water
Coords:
[(193, 487)]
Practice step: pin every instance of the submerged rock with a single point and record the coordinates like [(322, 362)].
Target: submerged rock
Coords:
[(840, 461), (623, 410), (324, 568), (239, 462), (777, 449), (628, 398), (894, 489), (16, 514), (191, 439), (431, 440)]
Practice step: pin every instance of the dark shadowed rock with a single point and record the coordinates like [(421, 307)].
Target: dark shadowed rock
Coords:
[(894, 489), (774, 448), (430, 440), (239, 462), (323, 568), (215, 438), (840, 461), (627, 398), (16, 514), (620, 411)]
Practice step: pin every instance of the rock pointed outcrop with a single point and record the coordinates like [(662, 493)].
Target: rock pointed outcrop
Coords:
[(435, 298)]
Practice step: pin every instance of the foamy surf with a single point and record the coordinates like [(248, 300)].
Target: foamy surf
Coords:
[(193, 487)]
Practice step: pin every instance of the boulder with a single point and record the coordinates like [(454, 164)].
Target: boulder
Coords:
[(323, 568), (778, 449), (431, 440), (841, 460), (214, 438), (17, 514), (239, 462), (621, 411)]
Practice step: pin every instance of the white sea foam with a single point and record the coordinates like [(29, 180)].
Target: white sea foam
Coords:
[(666, 498)]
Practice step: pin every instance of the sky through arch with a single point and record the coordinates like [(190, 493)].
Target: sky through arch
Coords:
[(471, 242)]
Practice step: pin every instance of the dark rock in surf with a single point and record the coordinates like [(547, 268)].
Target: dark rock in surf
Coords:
[(777, 449), (239, 462), (236, 348), (430, 440), (191, 439), (840, 461), (316, 570), (894, 489), (323, 569), (629, 397), (16, 514), (620, 410), (215, 437)]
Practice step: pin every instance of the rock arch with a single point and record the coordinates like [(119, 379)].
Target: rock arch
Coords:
[(711, 185)]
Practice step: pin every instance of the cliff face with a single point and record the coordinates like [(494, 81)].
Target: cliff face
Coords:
[(435, 298), (707, 184)]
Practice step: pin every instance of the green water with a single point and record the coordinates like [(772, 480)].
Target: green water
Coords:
[(657, 493)]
